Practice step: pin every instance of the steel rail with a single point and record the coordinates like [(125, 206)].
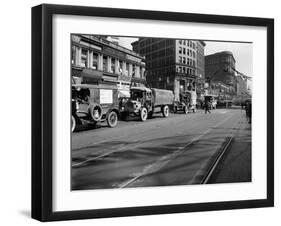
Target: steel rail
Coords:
[(216, 162)]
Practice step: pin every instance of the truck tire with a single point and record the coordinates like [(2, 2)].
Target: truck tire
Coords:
[(73, 123), (143, 114), (95, 112), (112, 119), (165, 111)]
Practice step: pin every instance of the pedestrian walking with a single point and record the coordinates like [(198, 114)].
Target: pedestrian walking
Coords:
[(248, 109), (207, 107)]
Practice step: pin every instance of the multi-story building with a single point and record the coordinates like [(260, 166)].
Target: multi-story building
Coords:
[(221, 67), (219, 89), (172, 64), (241, 85), (103, 59)]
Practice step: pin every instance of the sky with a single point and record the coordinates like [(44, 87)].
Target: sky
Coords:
[(242, 52)]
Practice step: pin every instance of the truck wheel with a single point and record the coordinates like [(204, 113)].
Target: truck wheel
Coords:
[(143, 114), (185, 110), (112, 119), (73, 123), (165, 111), (95, 112)]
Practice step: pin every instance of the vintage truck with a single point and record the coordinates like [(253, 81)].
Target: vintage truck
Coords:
[(144, 102), (93, 103)]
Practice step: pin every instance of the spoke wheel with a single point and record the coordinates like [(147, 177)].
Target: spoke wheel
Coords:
[(165, 111), (73, 123), (112, 119), (143, 114)]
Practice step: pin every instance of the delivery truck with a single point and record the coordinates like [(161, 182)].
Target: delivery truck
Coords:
[(144, 102)]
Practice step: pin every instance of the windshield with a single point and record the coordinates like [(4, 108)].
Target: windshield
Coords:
[(136, 94)]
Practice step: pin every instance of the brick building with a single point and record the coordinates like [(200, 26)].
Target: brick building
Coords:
[(221, 67)]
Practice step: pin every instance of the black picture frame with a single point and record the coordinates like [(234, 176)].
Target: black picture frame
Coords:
[(42, 111)]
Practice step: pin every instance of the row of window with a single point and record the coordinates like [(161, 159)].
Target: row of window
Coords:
[(184, 51), (152, 41), (220, 60), (188, 61), (156, 52), (162, 71), (160, 62), (188, 43), (85, 62), (186, 70)]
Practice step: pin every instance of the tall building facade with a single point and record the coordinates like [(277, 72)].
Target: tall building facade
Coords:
[(108, 61), (172, 64), (221, 67)]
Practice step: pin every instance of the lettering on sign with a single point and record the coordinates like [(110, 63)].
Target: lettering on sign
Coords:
[(106, 96), (129, 57)]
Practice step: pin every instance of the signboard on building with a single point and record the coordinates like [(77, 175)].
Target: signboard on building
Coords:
[(106, 96), (132, 58)]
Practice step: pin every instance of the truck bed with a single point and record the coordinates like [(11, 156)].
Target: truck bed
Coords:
[(162, 97)]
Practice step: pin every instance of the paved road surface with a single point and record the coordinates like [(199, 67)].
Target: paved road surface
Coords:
[(161, 151)]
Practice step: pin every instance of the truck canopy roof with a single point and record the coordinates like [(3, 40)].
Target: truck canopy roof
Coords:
[(140, 88)]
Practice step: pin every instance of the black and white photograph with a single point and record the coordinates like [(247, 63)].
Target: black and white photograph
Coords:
[(151, 112)]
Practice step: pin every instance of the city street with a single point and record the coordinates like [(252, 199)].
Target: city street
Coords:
[(177, 150)]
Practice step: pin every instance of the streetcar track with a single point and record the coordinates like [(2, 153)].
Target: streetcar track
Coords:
[(160, 163), (138, 141), (216, 162)]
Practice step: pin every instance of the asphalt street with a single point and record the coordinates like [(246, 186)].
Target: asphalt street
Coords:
[(177, 150)]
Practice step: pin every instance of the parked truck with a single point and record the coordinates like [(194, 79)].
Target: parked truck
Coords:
[(93, 102), (144, 102)]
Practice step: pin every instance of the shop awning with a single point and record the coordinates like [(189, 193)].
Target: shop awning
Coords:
[(90, 76)]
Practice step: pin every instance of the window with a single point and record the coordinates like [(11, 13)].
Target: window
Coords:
[(104, 62), (73, 54), (84, 58), (127, 69), (180, 49), (113, 62), (183, 50), (95, 61), (180, 59), (180, 69), (184, 60)]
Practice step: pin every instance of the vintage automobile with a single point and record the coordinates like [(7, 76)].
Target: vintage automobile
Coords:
[(182, 104), (144, 102), (186, 103), (93, 103)]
